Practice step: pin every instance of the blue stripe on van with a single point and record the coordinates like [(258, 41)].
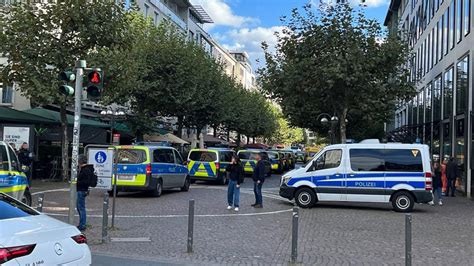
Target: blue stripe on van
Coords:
[(9, 181)]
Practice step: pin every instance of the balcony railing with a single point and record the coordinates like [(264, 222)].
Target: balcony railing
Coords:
[(171, 14)]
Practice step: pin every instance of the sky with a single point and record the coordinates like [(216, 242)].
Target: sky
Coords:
[(242, 25)]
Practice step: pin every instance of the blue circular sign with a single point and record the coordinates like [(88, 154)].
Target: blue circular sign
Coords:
[(100, 157)]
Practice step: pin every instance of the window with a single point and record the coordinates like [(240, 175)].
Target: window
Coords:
[(467, 16), (146, 10), (131, 156), (397, 160), (437, 99), (163, 156), (367, 160), (7, 93), (448, 93), (462, 84), (446, 31), (452, 24), (459, 7), (330, 159), (430, 58), (439, 47), (428, 109), (13, 160), (410, 113), (421, 107), (434, 53), (156, 19), (226, 156), (415, 110), (10, 208), (273, 155), (248, 155), (179, 159), (4, 158)]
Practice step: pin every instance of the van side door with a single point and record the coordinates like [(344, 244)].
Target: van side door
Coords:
[(181, 169), (365, 181), (327, 173), (164, 166)]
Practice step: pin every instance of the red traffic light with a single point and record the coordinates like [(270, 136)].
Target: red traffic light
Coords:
[(94, 77)]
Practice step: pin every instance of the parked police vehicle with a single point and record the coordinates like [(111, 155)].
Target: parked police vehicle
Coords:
[(13, 180), (399, 174), (150, 168), (209, 164)]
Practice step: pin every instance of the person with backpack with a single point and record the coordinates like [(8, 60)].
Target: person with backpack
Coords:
[(85, 179)]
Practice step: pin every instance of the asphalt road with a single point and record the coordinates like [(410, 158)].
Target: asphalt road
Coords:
[(113, 260)]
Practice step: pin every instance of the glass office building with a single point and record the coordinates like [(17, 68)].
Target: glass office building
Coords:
[(440, 114)]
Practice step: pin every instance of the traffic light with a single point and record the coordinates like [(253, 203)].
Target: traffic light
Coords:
[(94, 84), (67, 77)]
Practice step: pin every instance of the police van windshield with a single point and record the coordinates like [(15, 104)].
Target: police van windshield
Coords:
[(226, 156), (203, 156), (131, 156), (248, 155), (11, 208), (273, 155)]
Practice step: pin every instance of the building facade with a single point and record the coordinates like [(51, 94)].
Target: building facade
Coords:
[(439, 33)]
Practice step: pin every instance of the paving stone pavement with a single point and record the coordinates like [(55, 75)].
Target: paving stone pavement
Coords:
[(329, 234)]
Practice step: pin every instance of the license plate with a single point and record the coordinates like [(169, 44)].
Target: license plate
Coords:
[(126, 177)]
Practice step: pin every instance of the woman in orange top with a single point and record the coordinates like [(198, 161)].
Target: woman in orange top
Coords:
[(443, 176)]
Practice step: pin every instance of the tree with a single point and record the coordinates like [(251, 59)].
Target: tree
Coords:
[(336, 61), (41, 40), (285, 133)]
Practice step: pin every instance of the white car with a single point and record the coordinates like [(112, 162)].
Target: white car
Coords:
[(28, 237)]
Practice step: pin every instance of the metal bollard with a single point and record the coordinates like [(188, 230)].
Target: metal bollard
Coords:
[(190, 226), (105, 217), (40, 202), (294, 235), (408, 221)]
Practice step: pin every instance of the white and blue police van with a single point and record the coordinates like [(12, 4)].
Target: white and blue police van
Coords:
[(369, 171)]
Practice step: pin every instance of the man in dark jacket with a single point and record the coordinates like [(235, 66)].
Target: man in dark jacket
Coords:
[(452, 172), (86, 174), (258, 179), (25, 159)]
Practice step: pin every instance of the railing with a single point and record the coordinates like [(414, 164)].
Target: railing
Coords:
[(171, 14)]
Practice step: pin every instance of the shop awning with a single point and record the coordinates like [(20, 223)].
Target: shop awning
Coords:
[(56, 117), (12, 115), (165, 138)]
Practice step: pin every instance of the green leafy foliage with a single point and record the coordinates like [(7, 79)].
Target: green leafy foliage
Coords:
[(336, 61)]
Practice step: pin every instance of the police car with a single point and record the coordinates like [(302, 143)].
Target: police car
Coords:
[(13, 180), (28, 237), (209, 164), (399, 174)]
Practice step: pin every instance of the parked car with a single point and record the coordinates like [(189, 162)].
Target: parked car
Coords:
[(209, 164), (151, 168), (13, 180), (399, 174), (249, 161), (28, 237)]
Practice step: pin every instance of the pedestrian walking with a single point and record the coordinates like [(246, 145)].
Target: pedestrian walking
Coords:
[(437, 185), (443, 176), (24, 156), (235, 173), (258, 179), (84, 181), (452, 173)]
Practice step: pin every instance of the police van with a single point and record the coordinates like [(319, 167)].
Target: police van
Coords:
[(399, 174), (209, 164), (13, 180), (150, 168)]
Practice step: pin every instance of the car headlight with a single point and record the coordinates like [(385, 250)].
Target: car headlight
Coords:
[(285, 179)]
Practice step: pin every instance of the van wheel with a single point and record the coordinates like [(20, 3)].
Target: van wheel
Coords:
[(158, 189), (403, 201), (305, 197), (187, 183), (26, 199)]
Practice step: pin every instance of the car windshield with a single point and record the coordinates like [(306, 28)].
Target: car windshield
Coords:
[(11, 208), (131, 156), (273, 155), (247, 155), (203, 156)]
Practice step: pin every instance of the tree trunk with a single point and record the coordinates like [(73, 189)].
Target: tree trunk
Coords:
[(253, 140), (64, 143), (200, 137), (228, 135), (342, 125), (214, 132), (180, 126), (248, 139), (237, 142)]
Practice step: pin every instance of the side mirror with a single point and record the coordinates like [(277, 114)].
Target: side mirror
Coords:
[(25, 168)]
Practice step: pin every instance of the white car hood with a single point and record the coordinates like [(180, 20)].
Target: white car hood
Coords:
[(18, 230), (295, 172)]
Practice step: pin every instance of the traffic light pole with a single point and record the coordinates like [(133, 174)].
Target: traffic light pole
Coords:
[(80, 66)]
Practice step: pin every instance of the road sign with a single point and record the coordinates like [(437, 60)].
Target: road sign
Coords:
[(102, 160)]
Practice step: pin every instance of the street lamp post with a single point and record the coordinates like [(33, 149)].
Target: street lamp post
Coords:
[(325, 119), (112, 113)]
